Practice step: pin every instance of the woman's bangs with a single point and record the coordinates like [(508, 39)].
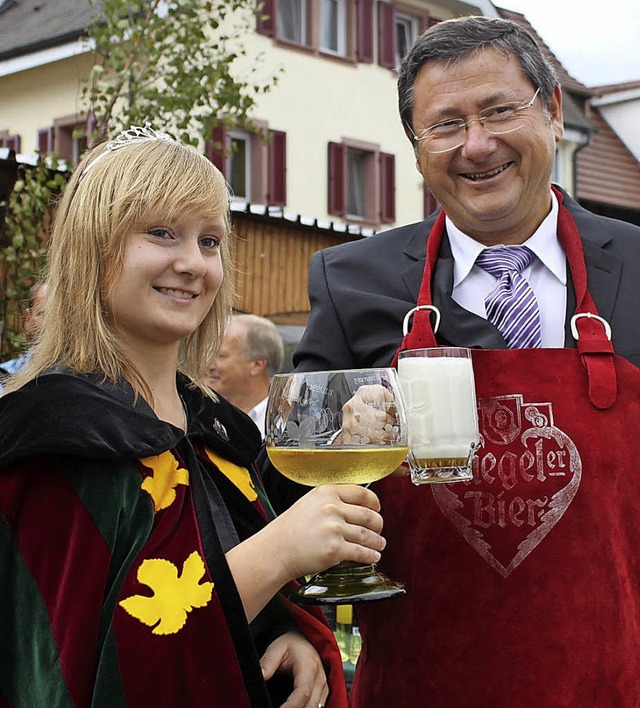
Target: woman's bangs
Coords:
[(164, 179)]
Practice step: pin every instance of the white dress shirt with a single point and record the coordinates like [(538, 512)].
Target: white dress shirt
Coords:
[(258, 414), (547, 275)]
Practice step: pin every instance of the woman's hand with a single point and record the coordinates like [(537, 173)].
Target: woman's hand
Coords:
[(327, 525), (291, 653)]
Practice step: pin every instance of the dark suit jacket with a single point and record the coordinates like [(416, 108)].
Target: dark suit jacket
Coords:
[(361, 291)]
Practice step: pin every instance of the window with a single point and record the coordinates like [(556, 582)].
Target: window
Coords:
[(406, 35), (398, 30), (361, 184), (291, 20), (321, 26), (13, 142), (333, 26), (46, 142), (356, 186), (255, 166), (69, 138), (238, 165), (557, 169), (431, 204)]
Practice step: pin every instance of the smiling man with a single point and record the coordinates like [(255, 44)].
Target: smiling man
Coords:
[(493, 185), (523, 583)]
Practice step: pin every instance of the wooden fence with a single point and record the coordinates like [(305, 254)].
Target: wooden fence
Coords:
[(272, 258)]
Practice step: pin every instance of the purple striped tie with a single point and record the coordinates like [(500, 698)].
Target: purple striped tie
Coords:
[(511, 306)]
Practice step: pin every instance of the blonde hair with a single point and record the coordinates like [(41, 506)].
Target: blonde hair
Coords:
[(98, 210)]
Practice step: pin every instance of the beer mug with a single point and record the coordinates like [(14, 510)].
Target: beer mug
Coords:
[(440, 398)]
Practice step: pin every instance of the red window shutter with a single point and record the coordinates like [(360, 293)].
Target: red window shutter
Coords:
[(12, 142), (387, 188), (277, 169), (216, 149), (364, 31), (386, 35), (266, 18), (430, 202), (337, 179), (45, 140)]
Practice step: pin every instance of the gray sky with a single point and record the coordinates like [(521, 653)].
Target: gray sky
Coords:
[(597, 42)]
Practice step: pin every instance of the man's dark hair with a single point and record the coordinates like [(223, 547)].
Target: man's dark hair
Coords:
[(459, 38)]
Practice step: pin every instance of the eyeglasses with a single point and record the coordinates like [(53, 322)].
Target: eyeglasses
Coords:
[(451, 134)]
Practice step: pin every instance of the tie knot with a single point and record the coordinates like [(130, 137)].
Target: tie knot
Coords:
[(500, 259)]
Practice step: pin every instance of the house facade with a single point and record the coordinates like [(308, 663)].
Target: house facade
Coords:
[(337, 151), (608, 169), (337, 164)]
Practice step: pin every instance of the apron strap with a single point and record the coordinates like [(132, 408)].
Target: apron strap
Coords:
[(421, 334), (592, 333), (593, 339)]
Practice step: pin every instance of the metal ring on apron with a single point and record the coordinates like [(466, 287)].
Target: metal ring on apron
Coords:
[(405, 323), (591, 316)]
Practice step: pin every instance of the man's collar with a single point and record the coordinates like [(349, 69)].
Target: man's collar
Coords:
[(258, 410), (544, 243)]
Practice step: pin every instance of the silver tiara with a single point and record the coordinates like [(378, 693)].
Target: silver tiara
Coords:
[(132, 136)]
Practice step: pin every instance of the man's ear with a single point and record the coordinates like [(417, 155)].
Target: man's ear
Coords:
[(555, 112), (258, 366)]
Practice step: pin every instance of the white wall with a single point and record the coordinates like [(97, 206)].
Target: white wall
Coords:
[(321, 100), (624, 119), (31, 99)]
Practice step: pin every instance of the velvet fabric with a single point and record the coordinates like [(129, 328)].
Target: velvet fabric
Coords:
[(523, 585), (113, 529)]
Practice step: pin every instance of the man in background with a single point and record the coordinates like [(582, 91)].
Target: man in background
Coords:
[(251, 353)]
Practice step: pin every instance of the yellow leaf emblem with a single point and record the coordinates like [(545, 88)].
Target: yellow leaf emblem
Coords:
[(167, 475), (238, 475), (173, 596)]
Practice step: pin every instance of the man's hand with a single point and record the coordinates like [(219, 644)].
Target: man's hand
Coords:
[(369, 417), (402, 471), (291, 653)]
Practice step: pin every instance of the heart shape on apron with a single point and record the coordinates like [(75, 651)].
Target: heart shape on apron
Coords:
[(501, 513)]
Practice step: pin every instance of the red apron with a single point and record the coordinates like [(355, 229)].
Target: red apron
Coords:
[(523, 585)]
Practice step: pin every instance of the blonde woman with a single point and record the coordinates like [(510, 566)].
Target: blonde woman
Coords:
[(137, 566)]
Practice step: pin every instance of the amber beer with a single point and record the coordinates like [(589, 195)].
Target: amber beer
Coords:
[(439, 391), (437, 462), (333, 465)]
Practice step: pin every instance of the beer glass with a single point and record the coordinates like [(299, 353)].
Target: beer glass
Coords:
[(439, 392), (338, 427)]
